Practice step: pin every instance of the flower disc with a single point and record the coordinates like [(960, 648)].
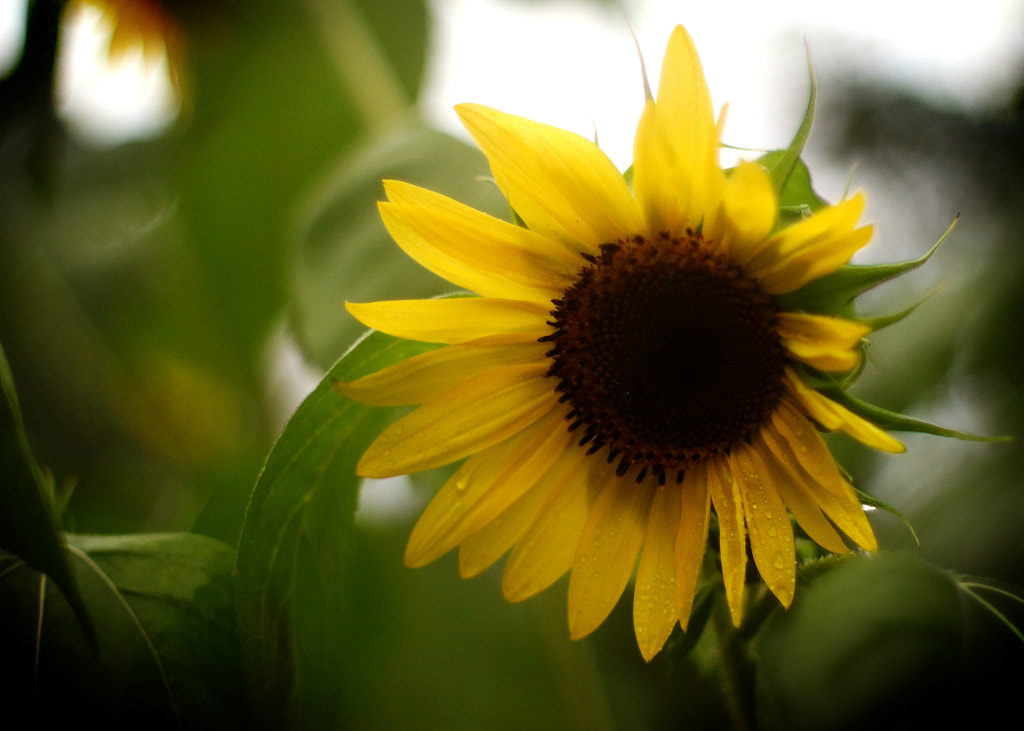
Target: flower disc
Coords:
[(666, 352)]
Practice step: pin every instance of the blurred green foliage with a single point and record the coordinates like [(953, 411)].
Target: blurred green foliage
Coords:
[(151, 294)]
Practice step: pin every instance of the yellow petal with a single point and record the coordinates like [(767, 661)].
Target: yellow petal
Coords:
[(545, 552), (816, 471), (562, 185), (468, 418), (654, 597), (484, 486), (716, 221), (424, 376), (771, 534), (804, 504), (473, 250), (732, 535), (684, 98), (811, 248), (750, 207), (662, 183), (818, 228), (676, 143), (692, 537), (455, 320), (832, 416), (606, 553), (482, 548), (826, 343), (796, 270)]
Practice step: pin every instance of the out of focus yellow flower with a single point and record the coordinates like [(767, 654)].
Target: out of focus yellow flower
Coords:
[(144, 27)]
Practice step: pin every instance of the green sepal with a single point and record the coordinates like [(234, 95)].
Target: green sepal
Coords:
[(516, 218), (892, 421), (873, 502), (782, 164), (850, 377), (884, 321), (811, 570), (830, 294), (797, 200), (789, 175)]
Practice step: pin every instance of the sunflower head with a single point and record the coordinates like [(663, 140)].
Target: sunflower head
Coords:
[(640, 364)]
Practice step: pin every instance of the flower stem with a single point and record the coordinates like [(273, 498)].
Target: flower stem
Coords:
[(757, 615), (737, 670)]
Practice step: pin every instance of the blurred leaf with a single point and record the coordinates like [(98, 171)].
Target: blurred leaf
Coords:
[(873, 641), (270, 116), (167, 649), (27, 525), (292, 601), (400, 30), (344, 252)]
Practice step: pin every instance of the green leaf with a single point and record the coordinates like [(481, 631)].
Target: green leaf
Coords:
[(167, 649), (343, 252), (833, 292), (871, 638), (809, 571), (27, 524), (292, 601)]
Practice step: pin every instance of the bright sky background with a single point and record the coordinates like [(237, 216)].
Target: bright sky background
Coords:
[(574, 64), (12, 25)]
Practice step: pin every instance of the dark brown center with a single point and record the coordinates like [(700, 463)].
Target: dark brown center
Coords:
[(666, 352)]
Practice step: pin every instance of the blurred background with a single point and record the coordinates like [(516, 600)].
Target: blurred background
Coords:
[(187, 198)]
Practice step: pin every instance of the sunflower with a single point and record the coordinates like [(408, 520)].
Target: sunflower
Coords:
[(626, 367)]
